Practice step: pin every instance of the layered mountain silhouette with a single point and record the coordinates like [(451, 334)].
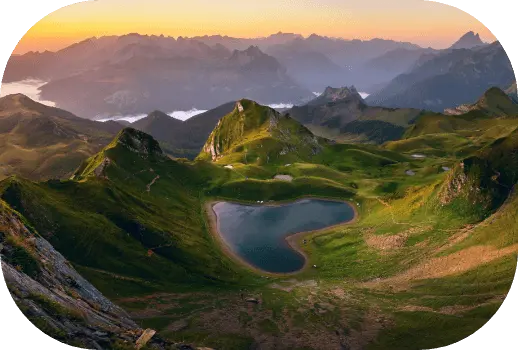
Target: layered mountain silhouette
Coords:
[(182, 138), (341, 113), (448, 79), (134, 74)]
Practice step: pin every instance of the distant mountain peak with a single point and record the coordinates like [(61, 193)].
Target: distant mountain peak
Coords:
[(247, 55), (254, 51), (156, 114), (345, 93), (468, 41)]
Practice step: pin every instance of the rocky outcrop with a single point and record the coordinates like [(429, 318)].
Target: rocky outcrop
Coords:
[(58, 300), (139, 142), (99, 170)]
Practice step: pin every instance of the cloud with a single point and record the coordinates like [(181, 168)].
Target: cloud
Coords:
[(181, 115), (280, 105), (29, 88)]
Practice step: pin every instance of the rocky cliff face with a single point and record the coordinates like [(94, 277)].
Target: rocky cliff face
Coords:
[(59, 301), (139, 142)]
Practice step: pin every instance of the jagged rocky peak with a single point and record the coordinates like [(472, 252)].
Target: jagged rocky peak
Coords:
[(138, 142), (253, 51), (345, 93), (468, 41), (47, 288), (245, 57)]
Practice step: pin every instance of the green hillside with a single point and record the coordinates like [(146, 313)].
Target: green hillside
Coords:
[(428, 261), (132, 212), (40, 142), (255, 134)]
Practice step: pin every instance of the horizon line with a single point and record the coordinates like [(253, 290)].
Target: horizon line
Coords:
[(77, 41)]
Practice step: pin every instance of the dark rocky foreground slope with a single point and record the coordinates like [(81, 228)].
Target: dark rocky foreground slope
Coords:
[(59, 301)]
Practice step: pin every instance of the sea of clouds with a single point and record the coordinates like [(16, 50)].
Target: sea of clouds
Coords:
[(29, 87)]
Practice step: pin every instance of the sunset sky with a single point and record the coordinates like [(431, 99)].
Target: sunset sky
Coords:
[(424, 23)]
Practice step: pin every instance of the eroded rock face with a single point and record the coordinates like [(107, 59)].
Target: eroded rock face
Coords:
[(58, 300), (139, 142), (99, 171), (51, 293)]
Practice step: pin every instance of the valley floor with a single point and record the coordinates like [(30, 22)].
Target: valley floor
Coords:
[(388, 281)]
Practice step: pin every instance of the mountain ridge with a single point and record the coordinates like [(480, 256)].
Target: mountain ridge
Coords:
[(258, 134)]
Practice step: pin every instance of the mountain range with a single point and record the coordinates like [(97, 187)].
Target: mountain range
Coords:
[(447, 79), (134, 74), (342, 114), (41, 142)]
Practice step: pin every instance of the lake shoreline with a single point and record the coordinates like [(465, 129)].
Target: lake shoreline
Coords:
[(291, 239)]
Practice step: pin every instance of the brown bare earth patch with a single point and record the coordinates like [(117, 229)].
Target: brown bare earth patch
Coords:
[(391, 242), (443, 266), (384, 242), (339, 293)]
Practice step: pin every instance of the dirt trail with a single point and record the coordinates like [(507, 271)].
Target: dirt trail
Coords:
[(386, 204), (148, 186)]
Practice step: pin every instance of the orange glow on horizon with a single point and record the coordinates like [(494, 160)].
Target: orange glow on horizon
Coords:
[(423, 23)]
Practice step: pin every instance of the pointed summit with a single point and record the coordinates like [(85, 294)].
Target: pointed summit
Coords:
[(137, 142), (128, 148), (258, 134), (158, 114), (468, 41), (342, 94)]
